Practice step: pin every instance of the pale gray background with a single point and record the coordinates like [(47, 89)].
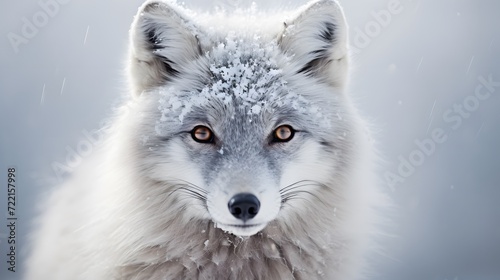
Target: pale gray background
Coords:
[(428, 58)]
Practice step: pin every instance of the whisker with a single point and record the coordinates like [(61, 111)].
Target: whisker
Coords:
[(302, 183), (295, 191), (293, 185), (192, 193), (297, 197), (188, 190), (183, 182)]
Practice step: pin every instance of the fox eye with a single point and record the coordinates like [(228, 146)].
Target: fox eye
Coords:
[(283, 133), (202, 134)]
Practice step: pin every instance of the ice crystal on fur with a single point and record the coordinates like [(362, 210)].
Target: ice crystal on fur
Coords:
[(245, 75)]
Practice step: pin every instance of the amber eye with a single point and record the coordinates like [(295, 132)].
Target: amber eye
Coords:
[(202, 134), (283, 133)]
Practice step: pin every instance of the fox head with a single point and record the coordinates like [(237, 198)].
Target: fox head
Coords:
[(245, 129)]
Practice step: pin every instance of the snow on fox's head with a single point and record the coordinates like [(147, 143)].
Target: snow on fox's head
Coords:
[(241, 124)]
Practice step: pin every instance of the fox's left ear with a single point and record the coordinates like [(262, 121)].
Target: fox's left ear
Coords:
[(316, 40), (162, 43)]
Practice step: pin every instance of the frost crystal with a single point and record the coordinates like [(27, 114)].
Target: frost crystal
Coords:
[(244, 75)]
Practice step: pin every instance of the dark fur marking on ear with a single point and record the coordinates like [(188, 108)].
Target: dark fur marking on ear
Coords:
[(154, 44), (307, 69), (320, 53), (328, 34), (153, 40), (169, 69)]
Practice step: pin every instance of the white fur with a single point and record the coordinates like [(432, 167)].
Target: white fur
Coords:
[(123, 215)]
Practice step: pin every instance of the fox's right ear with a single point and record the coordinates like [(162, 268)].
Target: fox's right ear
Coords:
[(316, 40), (162, 43)]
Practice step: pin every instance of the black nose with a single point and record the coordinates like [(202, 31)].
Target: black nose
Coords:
[(244, 206)]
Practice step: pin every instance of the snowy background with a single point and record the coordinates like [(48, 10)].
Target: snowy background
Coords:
[(413, 72)]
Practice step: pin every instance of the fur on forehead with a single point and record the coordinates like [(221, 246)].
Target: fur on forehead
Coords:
[(246, 79), (169, 43)]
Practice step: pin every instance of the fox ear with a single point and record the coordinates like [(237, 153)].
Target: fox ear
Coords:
[(316, 40), (162, 43)]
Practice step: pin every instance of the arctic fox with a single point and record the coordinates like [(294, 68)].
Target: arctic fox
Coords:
[(237, 156)]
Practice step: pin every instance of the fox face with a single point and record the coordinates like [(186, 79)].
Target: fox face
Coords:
[(242, 129)]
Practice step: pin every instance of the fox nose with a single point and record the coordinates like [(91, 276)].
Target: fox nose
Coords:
[(244, 206)]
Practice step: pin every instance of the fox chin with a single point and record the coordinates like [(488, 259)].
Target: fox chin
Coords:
[(238, 154)]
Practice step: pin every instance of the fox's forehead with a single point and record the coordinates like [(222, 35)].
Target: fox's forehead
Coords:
[(242, 81), (244, 72)]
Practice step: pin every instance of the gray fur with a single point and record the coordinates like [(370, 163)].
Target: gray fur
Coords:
[(152, 203)]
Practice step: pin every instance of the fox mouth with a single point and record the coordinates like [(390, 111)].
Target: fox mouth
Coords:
[(242, 226), (241, 230)]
